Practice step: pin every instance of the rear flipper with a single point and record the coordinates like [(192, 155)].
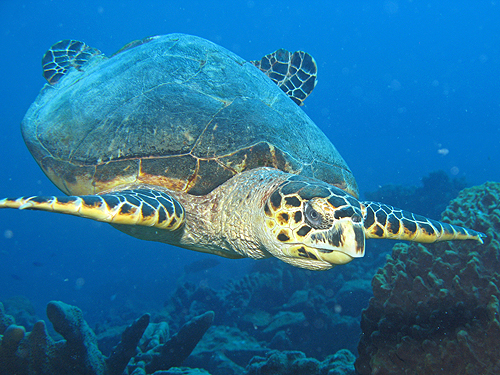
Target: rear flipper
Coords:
[(64, 55), (295, 73), (145, 207), (384, 221)]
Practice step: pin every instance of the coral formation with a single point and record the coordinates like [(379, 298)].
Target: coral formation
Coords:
[(225, 347), (294, 362), (281, 305), (435, 308), (78, 354)]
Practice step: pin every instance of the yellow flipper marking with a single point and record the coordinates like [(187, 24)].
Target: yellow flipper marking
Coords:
[(384, 221), (144, 207)]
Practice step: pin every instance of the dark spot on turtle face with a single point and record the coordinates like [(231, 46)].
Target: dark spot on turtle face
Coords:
[(347, 211), (334, 237), (304, 230), (147, 210), (297, 216), (267, 211), (276, 199), (312, 256), (359, 237), (302, 252), (336, 201), (284, 217), (292, 187), (249, 195), (91, 200), (325, 251), (296, 178), (314, 191), (292, 201), (283, 237), (352, 201)]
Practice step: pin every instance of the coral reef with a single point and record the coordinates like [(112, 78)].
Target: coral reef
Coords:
[(282, 306), (296, 363), (435, 308), (173, 352), (78, 354), (225, 347)]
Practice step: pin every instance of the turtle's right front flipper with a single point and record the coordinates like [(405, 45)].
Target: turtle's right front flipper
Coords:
[(145, 207), (384, 221)]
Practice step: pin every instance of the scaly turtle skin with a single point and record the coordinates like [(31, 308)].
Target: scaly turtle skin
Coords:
[(177, 140)]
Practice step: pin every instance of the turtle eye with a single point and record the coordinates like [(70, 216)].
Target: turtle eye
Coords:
[(313, 217)]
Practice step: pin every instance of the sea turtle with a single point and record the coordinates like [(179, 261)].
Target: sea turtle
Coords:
[(177, 140)]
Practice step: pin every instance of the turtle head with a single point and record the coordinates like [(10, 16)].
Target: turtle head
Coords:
[(312, 224)]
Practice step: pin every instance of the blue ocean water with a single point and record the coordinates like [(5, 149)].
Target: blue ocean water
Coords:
[(405, 88)]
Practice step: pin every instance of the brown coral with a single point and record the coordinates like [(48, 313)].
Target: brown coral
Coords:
[(435, 308)]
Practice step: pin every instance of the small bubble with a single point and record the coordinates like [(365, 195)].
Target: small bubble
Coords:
[(79, 283), (319, 323), (8, 233), (395, 85), (443, 151), (454, 171), (337, 308)]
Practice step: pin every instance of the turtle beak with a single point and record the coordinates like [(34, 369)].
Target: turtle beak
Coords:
[(341, 243)]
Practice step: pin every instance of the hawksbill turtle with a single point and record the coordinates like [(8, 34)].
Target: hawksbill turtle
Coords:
[(176, 139)]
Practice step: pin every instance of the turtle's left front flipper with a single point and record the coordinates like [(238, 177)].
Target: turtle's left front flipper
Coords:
[(384, 221), (145, 207)]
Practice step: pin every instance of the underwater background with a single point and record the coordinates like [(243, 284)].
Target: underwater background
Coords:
[(405, 88)]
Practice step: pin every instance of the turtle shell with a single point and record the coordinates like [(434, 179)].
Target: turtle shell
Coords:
[(176, 111)]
